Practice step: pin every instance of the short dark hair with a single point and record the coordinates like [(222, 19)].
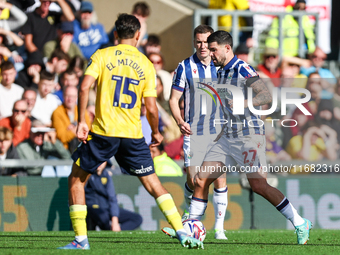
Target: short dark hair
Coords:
[(76, 61), (127, 25), (6, 65), (202, 29), (141, 9), (221, 37), (60, 55), (160, 147), (69, 72), (153, 40), (44, 75)]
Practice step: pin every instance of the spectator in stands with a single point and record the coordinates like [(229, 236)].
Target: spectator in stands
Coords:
[(242, 52), (9, 91), (164, 165), (141, 11), (63, 42), (102, 205), (57, 63), (274, 151), (88, 36), (8, 151), (317, 60), (64, 119), (325, 115), (67, 78), (315, 87), (29, 77), (41, 144), (158, 63), (77, 64), (311, 145), (18, 123), (41, 25), (30, 95), (226, 21), (290, 26), (11, 40), (46, 103), (300, 80), (301, 119), (12, 18), (270, 66), (153, 45)]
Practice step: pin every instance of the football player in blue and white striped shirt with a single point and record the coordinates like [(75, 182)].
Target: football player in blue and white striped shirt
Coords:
[(240, 143), (197, 128)]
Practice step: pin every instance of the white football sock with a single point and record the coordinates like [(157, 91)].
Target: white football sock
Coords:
[(187, 196), (288, 210), (220, 201), (197, 208), (80, 238)]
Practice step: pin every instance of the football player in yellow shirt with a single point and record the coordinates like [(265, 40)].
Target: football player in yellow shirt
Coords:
[(124, 77)]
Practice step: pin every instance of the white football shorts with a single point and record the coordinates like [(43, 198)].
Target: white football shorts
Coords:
[(195, 149), (248, 151)]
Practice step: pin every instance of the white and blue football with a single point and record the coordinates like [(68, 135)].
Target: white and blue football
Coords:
[(195, 229)]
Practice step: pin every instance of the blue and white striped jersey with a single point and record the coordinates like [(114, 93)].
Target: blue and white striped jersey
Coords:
[(187, 75), (236, 73)]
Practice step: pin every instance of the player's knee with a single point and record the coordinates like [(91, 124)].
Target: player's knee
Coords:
[(220, 182), (201, 183)]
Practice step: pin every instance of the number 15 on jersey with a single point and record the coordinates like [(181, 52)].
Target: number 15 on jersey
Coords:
[(120, 80)]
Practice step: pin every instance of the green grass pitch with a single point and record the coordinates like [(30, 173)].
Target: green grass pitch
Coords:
[(155, 242)]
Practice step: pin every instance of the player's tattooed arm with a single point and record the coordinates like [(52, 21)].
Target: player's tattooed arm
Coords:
[(262, 93)]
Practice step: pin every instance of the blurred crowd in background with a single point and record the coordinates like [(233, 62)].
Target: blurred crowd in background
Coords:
[(44, 50)]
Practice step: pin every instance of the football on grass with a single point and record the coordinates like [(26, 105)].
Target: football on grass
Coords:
[(195, 229)]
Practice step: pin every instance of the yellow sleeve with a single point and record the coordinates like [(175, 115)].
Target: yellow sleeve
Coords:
[(150, 88), (93, 67)]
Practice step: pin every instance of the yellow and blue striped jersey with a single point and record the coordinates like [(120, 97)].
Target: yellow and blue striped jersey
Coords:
[(124, 76)]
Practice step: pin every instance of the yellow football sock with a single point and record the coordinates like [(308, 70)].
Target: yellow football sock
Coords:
[(168, 208), (78, 217)]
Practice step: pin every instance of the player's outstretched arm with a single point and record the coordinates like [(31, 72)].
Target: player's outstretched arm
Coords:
[(261, 91), (176, 112), (152, 116), (82, 128)]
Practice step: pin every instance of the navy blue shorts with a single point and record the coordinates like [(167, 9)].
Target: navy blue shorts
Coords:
[(132, 155)]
